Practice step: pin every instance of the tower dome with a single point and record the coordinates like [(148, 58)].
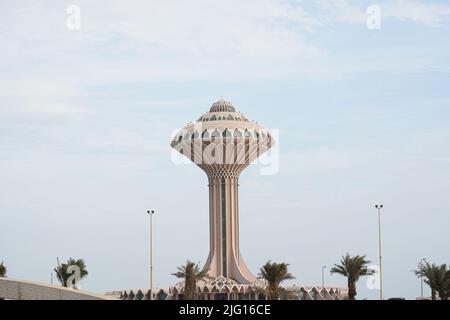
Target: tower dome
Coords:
[(222, 106)]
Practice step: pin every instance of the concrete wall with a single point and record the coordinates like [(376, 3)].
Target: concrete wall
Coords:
[(27, 290)]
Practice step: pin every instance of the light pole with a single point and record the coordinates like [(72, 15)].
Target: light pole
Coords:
[(421, 278), (323, 276), (151, 213), (379, 207)]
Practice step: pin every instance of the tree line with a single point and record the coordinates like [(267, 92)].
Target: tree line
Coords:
[(437, 277)]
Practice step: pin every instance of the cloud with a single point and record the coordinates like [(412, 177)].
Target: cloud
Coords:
[(48, 107), (259, 185), (317, 160), (251, 28), (31, 96), (184, 41), (354, 12), (36, 87), (163, 40), (341, 11), (426, 13)]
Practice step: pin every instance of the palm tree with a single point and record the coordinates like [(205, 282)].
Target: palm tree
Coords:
[(352, 268), (437, 277), (274, 273), (191, 273), (2, 270), (65, 271)]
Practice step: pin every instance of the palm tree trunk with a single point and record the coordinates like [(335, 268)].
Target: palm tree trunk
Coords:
[(443, 295), (189, 291), (351, 290), (433, 294), (275, 293)]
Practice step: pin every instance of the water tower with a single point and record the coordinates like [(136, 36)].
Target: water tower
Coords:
[(223, 143)]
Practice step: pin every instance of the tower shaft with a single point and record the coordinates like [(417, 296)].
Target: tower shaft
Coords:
[(224, 257)]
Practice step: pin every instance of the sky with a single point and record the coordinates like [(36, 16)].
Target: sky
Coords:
[(90, 94)]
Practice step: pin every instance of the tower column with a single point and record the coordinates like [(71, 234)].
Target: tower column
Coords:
[(224, 257)]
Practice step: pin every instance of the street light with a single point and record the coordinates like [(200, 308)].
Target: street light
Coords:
[(151, 213), (421, 278), (379, 207), (323, 276)]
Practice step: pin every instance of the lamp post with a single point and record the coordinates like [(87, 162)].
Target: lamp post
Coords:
[(421, 279), (323, 276), (151, 213), (379, 207)]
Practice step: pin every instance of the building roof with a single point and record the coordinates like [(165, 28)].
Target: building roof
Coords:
[(222, 106)]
